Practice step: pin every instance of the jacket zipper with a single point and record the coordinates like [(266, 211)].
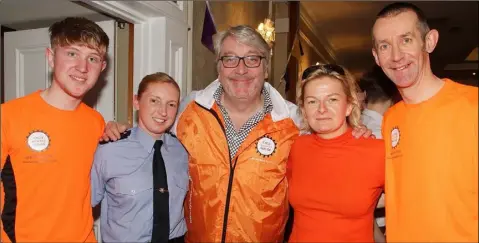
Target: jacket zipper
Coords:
[(228, 197), (191, 195), (230, 180)]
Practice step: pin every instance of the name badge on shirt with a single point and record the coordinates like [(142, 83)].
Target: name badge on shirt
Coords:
[(395, 151), (38, 141), (395, 136), (266, 146)]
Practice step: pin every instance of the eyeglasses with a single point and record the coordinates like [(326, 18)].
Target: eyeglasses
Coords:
[(233, 61), (328, 67)]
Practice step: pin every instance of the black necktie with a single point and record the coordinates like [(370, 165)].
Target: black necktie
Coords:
[(161, 215)]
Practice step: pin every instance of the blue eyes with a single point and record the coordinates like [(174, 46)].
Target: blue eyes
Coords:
[(383, 47)]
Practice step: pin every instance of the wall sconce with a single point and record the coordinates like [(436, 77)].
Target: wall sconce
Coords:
[(266, 29)]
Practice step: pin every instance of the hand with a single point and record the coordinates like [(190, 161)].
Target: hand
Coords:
[(381, 201), (113, 130), (362, 131)]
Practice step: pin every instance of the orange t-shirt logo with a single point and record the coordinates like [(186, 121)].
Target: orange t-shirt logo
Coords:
[(395, 135), (38, 141)]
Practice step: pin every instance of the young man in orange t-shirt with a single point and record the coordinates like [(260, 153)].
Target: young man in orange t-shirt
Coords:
[(431, 136), (48, 139)]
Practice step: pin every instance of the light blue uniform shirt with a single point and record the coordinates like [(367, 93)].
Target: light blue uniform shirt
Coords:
[(122, 180)]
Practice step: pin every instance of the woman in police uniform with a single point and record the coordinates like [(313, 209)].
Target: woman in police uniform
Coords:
[(139, 202)]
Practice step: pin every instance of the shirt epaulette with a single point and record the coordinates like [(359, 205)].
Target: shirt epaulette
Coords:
[(171, 134), (122, 136)]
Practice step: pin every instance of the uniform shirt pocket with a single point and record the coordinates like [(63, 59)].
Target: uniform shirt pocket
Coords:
[(131, 197), (180, 186)]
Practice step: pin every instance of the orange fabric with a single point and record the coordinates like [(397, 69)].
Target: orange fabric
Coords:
[(431, 167), (53, 185), (334, 186), (259, 207)]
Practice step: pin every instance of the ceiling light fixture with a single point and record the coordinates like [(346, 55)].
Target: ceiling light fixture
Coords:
[(266, 29)]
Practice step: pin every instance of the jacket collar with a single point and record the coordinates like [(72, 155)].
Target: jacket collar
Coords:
[(282, 109)]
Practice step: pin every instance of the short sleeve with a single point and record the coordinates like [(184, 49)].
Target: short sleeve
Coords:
[(101, 123), (4, 137)]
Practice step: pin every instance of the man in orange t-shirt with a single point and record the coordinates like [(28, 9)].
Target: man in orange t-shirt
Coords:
[(48, 139), (431, 136)]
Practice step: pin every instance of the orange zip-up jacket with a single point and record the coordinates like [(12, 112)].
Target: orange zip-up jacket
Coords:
[(243, 199)]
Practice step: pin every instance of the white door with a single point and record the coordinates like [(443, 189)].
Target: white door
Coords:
[(26, 68), (177, 52)]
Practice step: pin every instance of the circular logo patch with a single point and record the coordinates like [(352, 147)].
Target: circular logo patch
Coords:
[(395, 135), (266, 146), (38, 141)]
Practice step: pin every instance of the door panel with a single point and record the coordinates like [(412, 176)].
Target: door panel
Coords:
[(177, 54), (25, 50)]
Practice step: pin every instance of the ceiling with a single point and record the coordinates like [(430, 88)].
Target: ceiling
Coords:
[(346, 27), (28, 14)]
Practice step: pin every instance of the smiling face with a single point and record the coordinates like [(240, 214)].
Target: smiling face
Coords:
[(241, 83), (157, 107), (76, 68), (400, 49), (325, 107)]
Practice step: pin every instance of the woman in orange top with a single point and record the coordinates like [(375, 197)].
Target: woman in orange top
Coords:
[(334, 179)]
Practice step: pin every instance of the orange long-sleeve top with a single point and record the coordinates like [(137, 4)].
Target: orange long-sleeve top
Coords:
[(334, 185)]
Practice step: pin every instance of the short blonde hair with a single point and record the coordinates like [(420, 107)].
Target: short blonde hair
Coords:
[(245, 35), (347, 81)]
